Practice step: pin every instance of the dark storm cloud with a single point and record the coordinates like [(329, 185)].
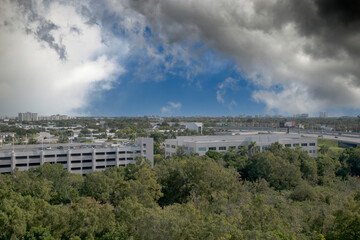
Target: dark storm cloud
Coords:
[(344, 12), (335, 24)]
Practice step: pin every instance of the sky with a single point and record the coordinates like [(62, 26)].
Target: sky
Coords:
[(180, 58)]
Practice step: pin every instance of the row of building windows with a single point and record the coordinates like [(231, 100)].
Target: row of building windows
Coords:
[(74, 161), (302, 144), (64, 155), (230, 148), (108, 163)]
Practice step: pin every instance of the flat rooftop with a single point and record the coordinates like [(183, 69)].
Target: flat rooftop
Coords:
[(270, 137), (72, 146)]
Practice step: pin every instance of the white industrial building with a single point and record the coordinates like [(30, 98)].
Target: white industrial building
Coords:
[(223, 143), (76, 158), (194, 126)]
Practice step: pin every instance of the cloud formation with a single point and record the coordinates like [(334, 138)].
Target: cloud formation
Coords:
[(228, 83), (52, 60), (308, 49), (171, 108)]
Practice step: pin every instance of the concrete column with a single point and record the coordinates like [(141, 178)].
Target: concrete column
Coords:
[(117, 157), (42, 157), (94, 159), (12, 161), (69, 160)]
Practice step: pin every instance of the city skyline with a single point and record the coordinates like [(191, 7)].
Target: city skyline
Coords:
[(174, 58)]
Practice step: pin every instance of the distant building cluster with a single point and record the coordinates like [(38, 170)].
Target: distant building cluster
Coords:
[(32, 117), (323, 114), (301, 115), (56, 117)]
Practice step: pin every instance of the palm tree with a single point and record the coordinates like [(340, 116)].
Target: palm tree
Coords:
[(324, 149), (252, 148)]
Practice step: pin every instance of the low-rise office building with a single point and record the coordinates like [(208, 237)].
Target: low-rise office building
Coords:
[(223, 143), (76, 158)]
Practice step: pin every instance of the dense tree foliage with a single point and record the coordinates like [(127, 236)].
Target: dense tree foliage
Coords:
[(276, 194)]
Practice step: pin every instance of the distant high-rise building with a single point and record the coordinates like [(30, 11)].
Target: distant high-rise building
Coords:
[(323, 114), (28, 117)]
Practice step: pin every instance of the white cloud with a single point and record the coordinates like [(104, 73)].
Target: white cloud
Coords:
[(34, 78), (171, 108), (228, 84)]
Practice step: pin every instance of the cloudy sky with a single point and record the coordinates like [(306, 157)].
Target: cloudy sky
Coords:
[(171, 57)]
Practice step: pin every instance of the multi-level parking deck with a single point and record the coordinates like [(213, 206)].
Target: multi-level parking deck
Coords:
[(76, 158)]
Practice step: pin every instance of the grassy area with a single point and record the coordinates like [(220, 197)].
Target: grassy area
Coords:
[(328, 142), (334, 149)]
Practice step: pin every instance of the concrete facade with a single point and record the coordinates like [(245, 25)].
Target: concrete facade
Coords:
[(79, 159), (223, 143), (194, 126)]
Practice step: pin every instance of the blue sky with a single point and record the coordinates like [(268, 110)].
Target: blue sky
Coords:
[(178, 58), (137, 94)]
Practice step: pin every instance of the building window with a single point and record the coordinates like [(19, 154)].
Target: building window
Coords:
[(8, 158), (21, 165), (167, 145), (312, 144), (186, 148), (295, 145), (222, 148), (34, 164), (212, 148), (74, 154), (5, 166), (265, 147), (232, 148), (173, 146), (202, 149), (304, 144), (144, 145), (191, 149), (287, 145), (21, 157)]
